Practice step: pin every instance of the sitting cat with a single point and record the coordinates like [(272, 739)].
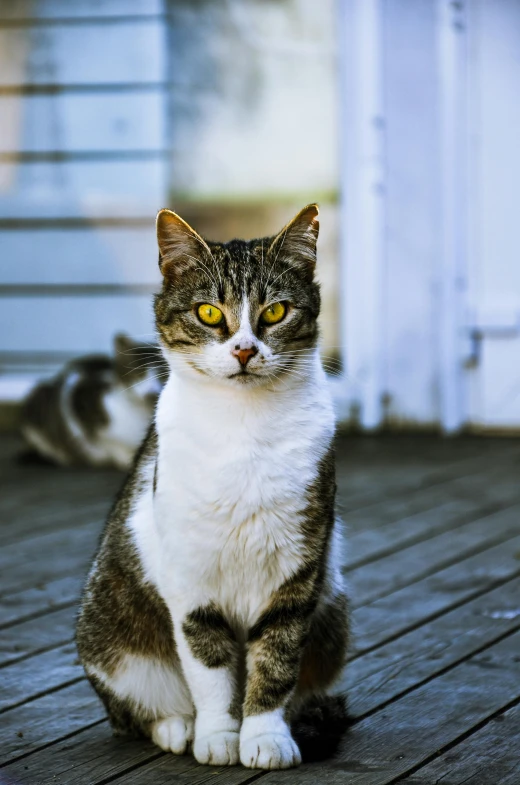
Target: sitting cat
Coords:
[(214, 615), (97, 410)]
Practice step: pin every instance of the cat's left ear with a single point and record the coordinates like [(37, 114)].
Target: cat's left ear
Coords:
[(297, 241), (180, 247)]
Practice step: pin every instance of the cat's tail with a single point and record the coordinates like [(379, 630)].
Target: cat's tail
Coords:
[(319, 726)]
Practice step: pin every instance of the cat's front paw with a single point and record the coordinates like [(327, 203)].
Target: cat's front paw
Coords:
[(270, 751), (173, 734), (217, 749)]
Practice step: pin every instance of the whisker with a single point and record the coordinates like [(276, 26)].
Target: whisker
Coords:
[(158, 378)]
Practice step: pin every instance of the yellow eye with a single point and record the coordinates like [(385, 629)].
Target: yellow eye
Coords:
[(274, 313), (209, 314)]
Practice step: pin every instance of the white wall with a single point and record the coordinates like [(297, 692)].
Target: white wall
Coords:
[(430, 180), (254, 110), (254, 98), (82, 173)]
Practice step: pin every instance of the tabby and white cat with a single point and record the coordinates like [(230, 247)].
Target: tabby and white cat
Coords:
[(215, 614), (97, 409)]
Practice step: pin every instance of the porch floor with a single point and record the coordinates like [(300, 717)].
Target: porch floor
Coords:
[(434, 567)]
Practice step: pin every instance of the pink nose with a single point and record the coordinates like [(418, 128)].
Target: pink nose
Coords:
[(243, 355)]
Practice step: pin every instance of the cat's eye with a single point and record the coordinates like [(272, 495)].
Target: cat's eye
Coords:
[(209, 314), (274, 313)]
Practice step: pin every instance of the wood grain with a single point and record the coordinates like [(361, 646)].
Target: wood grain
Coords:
[(491, 756), (435, 572)]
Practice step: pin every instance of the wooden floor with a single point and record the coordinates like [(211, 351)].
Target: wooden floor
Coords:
[(434, 678)]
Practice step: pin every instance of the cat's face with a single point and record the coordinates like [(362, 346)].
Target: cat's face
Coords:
[(242, 312)]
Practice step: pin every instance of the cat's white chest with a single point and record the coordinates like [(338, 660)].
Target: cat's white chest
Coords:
[(231, 495)]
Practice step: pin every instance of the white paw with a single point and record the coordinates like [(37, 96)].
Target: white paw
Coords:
[(173, 734), (270, 751), (217, 749)]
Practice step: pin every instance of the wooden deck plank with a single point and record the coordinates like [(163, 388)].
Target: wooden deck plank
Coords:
[(399, 480), (48, 718), (376, 541), (53, 517), (20, 606), (379, 533), (376, 677), (30, 678), (407, 608), (409, 565), (484, 488), (36, 500), (491, 756), (84, 759), (165, 771), (34, 489), (60, 562), (45, 632), (46, 546)]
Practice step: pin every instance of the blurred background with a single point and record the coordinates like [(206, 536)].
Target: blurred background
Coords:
[(400, 117)]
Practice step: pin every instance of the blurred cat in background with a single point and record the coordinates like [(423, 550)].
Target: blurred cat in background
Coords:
[(97, 409)]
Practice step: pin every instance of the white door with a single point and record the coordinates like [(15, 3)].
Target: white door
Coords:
[(494, 202)]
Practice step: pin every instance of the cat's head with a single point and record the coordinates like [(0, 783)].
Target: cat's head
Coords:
[(243, 312)]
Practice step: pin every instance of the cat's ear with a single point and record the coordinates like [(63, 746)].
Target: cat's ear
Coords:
[(297, 241), (123, 343), (180, 247)]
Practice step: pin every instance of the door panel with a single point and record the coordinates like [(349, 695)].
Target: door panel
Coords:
[(494, 211)]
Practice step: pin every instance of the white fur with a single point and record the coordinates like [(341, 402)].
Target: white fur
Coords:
[(129, 418), (220, 748), (224, 525), (266, 742), (128, 415), (173, 734), (150, 684), (234, 465)]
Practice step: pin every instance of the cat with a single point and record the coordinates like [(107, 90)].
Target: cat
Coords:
[(214, 617), (97, 409)]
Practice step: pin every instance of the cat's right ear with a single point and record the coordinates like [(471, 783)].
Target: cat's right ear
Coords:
[(180, 247)]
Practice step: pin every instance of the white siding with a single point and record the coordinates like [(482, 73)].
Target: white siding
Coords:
[(70, 122), (82, 174)]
